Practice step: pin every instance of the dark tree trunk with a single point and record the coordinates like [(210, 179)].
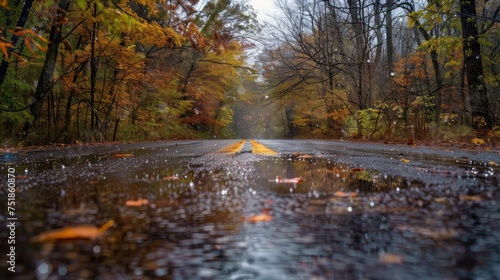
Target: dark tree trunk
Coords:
[(45, 81), (473, 62), (93, 73), (389, 35)]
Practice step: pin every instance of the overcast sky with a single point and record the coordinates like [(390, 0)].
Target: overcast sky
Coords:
[(264, 8)]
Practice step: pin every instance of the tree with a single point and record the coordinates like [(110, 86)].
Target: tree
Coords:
[(45, 82), (473, 62)]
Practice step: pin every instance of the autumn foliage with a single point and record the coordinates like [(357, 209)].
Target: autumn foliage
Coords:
[(130, 70)]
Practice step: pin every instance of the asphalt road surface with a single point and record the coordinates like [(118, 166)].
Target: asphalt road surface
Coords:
[(265, 209)]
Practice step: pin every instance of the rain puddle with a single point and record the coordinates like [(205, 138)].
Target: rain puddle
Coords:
[(247, 216)]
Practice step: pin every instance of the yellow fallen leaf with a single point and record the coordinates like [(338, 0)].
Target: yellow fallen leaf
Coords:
[(73, 232), (136, 203), (405, 160), (478, 141)]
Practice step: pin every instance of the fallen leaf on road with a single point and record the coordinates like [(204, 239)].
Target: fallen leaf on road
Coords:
[(405, 160), (264, 217), (123, 155), (136, 203), (470, 198), (434, 233), (170, 178), (288, 181), (345, 194), (73, 232), (390, 258), (478, 141), (356, 169), (305, 156)]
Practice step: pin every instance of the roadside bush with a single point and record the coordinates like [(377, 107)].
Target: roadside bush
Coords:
[(446, 132)]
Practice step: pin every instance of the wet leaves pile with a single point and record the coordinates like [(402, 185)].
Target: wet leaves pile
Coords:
[(245, 216)]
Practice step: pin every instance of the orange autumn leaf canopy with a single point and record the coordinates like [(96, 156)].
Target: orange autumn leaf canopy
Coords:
[(73, 232)]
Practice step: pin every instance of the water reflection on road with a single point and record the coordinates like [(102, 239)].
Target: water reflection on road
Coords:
[(329, 220)]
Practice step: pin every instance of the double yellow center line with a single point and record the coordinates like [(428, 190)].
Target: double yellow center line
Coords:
[(257, 148)]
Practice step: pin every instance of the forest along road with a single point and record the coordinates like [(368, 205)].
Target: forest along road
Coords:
[(265, 209)]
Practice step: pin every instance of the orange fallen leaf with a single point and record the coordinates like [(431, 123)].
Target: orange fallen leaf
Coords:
[(390, 258), (264, 217), (123, 155), (289, 181), (356, 169), (345, 194), (136, 203), (73, 232), (170, 178)]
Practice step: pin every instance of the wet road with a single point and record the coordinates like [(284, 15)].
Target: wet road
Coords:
[(215, 210)]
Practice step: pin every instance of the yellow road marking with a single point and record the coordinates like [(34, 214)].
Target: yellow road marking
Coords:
[(234, 148), (258, 148)]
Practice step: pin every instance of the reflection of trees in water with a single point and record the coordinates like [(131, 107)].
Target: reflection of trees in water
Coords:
[(326, 177)]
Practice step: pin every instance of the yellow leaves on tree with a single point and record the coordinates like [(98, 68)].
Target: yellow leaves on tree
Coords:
[(73, 232), (152, 34)]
